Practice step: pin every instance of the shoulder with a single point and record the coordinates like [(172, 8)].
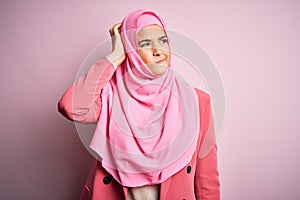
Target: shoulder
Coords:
[(201, 94), (203, 98)]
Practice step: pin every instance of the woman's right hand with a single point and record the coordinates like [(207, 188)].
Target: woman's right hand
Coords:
[(117, 55)]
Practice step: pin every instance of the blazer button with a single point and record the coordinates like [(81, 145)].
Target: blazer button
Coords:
[(189, 169), (106, 180)]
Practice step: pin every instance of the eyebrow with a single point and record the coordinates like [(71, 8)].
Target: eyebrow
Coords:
[(148, 40)]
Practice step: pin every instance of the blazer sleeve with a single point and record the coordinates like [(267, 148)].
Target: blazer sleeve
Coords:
[(207, 184), (82, 101)]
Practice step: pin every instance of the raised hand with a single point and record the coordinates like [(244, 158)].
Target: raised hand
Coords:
[(117, 55)]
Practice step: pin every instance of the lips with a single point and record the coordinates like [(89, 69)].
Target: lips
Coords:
[(160, 61)]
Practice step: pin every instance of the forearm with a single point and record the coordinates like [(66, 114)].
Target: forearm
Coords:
[(82, 102)]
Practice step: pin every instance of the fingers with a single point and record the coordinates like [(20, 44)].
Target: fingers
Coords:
[(116, 27), (114, 30)]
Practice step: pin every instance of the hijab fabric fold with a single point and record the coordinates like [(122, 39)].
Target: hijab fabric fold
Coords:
[(149, 124)]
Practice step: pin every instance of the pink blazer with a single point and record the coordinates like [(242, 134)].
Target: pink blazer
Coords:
[(199, 179)]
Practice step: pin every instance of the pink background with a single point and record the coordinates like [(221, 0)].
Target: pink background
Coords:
[(255, 46)]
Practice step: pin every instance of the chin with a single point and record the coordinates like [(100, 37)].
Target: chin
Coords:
[(159, 72), (158, 69)]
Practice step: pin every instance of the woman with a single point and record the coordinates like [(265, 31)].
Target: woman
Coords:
[(153, 130)]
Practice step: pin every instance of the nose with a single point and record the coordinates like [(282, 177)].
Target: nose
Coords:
[(157, 51)]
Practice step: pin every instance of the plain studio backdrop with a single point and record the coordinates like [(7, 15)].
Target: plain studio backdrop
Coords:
[(254, 45)]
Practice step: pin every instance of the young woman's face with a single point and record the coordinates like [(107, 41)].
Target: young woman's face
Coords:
[(154, 48)]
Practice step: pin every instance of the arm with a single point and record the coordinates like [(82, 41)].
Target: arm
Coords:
[(207, 184), (82, 101)]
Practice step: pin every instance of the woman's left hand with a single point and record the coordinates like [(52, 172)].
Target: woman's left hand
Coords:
[(118, 52)]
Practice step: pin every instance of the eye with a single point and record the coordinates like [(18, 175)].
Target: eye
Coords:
[(164, 40), (145, 44)]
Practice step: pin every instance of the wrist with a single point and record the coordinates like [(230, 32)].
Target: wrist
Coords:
[(112, 59)]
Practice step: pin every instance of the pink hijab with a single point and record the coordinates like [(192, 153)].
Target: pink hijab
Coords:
[(149, 124)]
